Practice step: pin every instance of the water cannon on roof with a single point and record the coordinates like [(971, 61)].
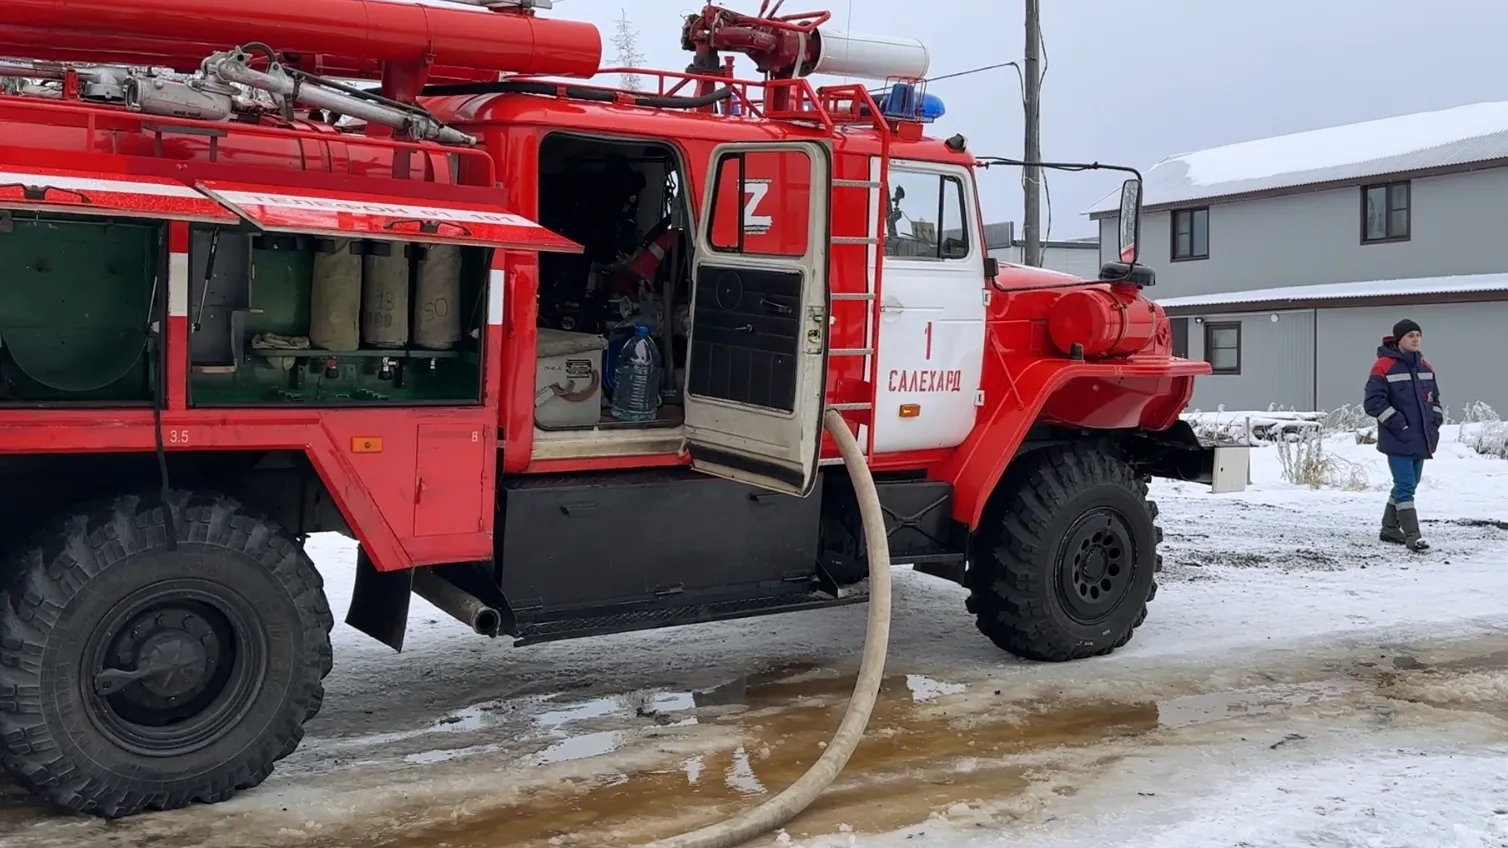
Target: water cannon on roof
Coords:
[(798, 45)]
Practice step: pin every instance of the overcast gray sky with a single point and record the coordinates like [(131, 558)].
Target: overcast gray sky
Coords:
[(1133, 81)]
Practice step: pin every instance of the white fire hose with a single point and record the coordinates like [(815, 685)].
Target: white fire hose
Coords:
[(799, 795)]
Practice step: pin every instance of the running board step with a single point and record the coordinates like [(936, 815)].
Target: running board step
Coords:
[(610, 620)]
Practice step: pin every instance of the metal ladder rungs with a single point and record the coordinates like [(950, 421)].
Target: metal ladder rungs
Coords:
[(851, 351), (857, 184), (851, 407), (854, 240), (852, 296)]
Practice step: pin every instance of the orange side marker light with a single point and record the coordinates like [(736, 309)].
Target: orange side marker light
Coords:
[(911, 410), (366, 444)]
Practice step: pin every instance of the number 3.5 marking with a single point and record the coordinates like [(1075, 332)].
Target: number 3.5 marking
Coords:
[(178, 437)]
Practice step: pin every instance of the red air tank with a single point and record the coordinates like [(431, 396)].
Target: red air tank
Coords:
[(1116, 321), (351, 34)]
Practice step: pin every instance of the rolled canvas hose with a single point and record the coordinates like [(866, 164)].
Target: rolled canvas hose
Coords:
[(799, 795)]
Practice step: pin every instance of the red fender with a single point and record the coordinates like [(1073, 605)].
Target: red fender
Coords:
[(1127, 394)]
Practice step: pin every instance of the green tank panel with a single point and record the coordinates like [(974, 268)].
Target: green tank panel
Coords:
[(75, 309)]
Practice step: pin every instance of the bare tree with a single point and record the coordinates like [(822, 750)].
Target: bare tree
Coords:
[(626, 40)]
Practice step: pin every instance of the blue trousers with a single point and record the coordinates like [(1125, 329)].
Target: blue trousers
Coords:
[(1407, 472)]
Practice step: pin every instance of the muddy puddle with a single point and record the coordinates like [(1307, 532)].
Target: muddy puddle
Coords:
[(623, 770), (925, 752)]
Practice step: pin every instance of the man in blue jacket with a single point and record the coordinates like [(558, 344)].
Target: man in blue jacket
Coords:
[(1404, 396)]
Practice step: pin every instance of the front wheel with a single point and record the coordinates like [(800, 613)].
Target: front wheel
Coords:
[(1064, 563), (135, 677)]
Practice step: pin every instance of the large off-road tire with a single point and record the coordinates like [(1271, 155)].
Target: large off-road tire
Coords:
[(1064, 563), (233, 629)]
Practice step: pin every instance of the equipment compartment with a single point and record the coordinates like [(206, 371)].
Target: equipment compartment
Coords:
[(589, 541), (283, 319), (625, 202), (76, 310)]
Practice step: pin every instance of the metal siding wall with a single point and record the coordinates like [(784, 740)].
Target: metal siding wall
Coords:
[(1110, 240), (1313, 238), (1277, 364), (1080, 262), (1461, 340)]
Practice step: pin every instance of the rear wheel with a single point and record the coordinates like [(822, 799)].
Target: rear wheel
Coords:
[(135, 677), (1064, 564)]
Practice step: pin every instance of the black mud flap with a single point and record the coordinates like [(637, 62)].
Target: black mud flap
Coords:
[(379, 602), (1176, 453)]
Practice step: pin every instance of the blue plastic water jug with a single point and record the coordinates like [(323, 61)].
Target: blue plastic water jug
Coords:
[(636, 378)]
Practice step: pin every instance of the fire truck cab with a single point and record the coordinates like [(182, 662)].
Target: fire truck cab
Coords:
[(248, 300)]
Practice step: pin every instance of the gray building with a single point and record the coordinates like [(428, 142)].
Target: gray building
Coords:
[(1284, 261), (1079, 257)]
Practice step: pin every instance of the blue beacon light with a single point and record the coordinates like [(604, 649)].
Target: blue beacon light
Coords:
[(902, 102)]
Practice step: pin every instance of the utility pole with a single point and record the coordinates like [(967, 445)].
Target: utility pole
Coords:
[(1031, 228)]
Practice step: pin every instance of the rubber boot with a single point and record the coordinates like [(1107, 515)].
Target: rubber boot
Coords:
[(1391, 531), (1408, 519)]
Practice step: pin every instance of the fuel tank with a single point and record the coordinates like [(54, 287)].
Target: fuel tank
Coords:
[(343, 34)]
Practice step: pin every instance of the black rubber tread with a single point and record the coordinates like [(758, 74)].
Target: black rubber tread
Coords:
[(62, 758), (1010, 581)]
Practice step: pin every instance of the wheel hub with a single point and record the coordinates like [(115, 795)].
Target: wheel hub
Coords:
[(162, 656), (174, 667), (1096, 566)]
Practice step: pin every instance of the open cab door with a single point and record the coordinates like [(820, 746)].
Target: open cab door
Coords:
[(756, 369)]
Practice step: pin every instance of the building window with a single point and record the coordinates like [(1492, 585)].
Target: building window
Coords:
[(1191, 234), (1180, 337), (1385, 213), (1222, 346)]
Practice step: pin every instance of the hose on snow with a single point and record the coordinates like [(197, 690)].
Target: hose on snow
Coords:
[(799, 795)]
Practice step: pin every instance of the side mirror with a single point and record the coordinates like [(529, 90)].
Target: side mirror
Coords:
[(1130, 220)]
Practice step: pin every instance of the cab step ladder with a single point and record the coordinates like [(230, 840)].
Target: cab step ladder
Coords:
[(878, 191)]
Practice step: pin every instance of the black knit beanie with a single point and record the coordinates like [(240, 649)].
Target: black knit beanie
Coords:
[(1403, 328)]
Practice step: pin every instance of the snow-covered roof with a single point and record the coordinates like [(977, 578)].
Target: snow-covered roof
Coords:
[(1466, 283), (1448, 137)]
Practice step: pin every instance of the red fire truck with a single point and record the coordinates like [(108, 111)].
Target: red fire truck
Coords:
[(248, 297)]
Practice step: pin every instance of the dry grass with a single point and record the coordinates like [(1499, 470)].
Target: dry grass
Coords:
[(1305, 462), (1482, 430)]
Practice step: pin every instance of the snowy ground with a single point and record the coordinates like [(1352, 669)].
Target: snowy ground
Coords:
[(1297, 683)]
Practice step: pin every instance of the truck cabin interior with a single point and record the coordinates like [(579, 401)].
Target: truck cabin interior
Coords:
[(624, 202)]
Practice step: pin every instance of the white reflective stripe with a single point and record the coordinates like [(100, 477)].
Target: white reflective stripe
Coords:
[(1405, 505), (659, 252), (1439, 410), (1426, 375), (495, 281), (178, 285), (146, 186), (361, 208), (1398, 378), (1386, 414)]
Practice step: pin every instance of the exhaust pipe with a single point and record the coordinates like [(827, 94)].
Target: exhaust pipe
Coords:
[(457, 602)]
